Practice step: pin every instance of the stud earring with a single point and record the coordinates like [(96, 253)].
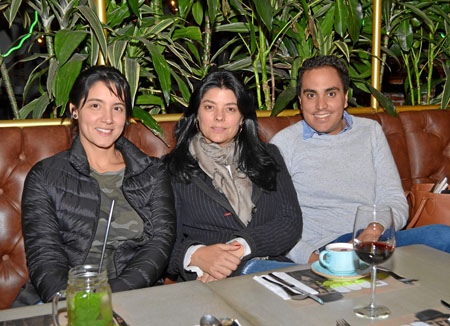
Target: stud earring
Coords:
[(75, 116)]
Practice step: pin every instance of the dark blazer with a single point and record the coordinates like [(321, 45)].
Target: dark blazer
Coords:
[(60, 207), (206, 217)]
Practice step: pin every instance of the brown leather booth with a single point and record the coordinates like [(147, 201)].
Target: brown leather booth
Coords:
[(420, 142)]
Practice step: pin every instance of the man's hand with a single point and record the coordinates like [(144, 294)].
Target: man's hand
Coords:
[(218, 260), (313, 257), (371, 233)]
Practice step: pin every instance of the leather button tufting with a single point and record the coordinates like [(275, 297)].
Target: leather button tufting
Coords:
[(1, 191), (5, 257), (22, 157)]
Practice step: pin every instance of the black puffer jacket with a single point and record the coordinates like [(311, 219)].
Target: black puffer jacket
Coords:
[(60, 208)]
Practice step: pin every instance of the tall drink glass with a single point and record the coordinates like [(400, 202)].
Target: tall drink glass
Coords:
[(88, 298)]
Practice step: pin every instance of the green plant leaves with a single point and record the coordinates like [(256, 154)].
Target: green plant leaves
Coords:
[(65, 78), (132, 69), (212, 10), (162, 70), (264, 9), (385, 102), (283, 100), (149, 122), (96, 26), (446, 92), (197, 12), (190, 32), (66, 42)]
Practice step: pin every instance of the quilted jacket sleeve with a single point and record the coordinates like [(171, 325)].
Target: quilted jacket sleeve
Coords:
[(46, 259)]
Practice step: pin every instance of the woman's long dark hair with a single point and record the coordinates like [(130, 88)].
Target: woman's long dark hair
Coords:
[(254, 158)]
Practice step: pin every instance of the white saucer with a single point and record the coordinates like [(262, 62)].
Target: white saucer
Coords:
[(362, 271)]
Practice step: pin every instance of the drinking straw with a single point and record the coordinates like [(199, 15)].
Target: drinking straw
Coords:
[(106, 236)]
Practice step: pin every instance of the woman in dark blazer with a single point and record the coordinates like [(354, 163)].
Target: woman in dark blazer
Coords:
[(236, 205)]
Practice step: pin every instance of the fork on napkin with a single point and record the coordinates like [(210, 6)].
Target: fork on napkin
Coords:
[(279, 291)]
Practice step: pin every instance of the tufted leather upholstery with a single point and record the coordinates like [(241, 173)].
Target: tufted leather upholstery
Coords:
[(419, 140)]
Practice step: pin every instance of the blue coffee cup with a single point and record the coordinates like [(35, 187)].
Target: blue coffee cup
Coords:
[(339, 258)]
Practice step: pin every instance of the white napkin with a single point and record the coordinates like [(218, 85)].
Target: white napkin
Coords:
[(279, 291)]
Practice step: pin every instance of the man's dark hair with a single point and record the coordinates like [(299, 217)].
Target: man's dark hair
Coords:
[(323, 61)]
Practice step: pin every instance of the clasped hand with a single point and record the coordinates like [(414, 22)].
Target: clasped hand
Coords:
[(217, 261)]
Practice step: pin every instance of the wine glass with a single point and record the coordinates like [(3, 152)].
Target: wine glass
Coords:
[(374, 243)]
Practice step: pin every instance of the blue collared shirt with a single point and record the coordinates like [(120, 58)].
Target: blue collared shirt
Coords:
[(308, 132)]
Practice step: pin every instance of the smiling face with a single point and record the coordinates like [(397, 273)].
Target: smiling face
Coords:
[(323, 100), (218, 116), (101, 119)]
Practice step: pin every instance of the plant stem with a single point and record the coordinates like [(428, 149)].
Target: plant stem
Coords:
[(263, 60), (207, 41), (9, 88)]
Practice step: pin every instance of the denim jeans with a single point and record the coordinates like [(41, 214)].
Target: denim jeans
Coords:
[(436, 236), (258, 265)]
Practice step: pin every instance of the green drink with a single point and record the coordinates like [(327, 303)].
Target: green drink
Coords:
[(88, 298), (89, 309)]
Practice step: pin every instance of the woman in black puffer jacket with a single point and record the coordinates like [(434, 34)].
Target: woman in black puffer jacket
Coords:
[(67, 197)]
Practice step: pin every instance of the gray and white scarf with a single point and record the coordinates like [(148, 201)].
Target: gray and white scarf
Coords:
[(221, 165)]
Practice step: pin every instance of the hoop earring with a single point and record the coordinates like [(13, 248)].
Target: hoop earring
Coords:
[(240, 129)]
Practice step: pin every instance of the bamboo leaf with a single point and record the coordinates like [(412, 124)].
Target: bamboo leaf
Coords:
[(328, 21), (66, 42), (197, 12), (340, 24), (15, 5), (233, 27), (95, 24), (355, 19), (190, 32), (65, 78), (148, 121), (385, 102), (134, 5), (118, 15), (212, 10), (148, 99), (420, 13), (446, 92), (283, 100), (36, 106), (405, 35), (132, 69), (264, 10), (52, 72), (162, 70), (182, 87), (95, 49), (183, 6), (116, 51)]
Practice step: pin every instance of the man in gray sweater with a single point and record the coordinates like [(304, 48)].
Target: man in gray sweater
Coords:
[(338, 162)]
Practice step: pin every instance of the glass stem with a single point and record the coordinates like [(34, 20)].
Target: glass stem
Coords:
[(373, 286)]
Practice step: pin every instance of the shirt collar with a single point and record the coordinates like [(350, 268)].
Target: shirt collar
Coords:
[(308, 132)]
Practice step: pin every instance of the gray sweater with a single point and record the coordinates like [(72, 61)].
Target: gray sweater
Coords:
[(334, 174)]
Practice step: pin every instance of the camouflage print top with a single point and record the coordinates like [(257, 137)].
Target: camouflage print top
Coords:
[(126, 224)]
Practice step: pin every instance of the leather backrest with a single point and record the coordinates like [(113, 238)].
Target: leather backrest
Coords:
[(420, 143)]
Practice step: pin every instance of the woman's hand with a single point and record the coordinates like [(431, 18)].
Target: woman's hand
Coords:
[(206, 278), (218, 260)]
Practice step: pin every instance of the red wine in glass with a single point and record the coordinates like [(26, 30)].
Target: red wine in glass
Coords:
[(374, 252), (374, 243)]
